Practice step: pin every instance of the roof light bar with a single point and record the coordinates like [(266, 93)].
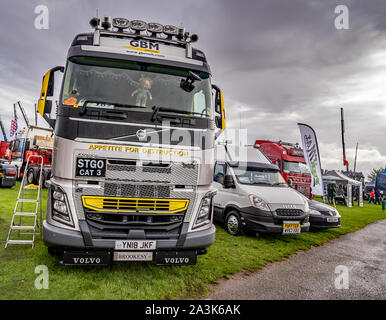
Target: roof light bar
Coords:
[(138, 25), (121, 23), (154, 28), (170, 30)]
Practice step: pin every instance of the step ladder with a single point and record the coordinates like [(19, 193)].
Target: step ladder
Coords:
[(18, 211)]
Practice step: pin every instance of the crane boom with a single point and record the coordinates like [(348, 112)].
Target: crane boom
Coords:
[(2, 129), (23, 113)]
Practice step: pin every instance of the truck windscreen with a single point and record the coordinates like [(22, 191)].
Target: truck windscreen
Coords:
[(108, 83), (295, 167), (261, 176)]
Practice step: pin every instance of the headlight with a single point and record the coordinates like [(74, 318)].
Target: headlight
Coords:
[(205, 214), (60, 211), (259, 203), (314, 212), (57, 195)]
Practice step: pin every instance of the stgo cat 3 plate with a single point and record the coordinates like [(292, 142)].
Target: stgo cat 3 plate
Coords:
[(73, 258), (175, 258), (87, 167)]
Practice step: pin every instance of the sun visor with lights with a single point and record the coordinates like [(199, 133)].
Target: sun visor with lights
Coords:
[(151, 40)]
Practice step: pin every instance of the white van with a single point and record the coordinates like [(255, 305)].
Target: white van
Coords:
[(253, 196)]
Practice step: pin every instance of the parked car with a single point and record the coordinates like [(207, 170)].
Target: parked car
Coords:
[(7, 174), (253, 196), (323, 216)]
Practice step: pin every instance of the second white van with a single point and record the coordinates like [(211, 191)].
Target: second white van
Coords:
[(253, 196)]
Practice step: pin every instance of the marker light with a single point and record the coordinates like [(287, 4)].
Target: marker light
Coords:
[(154, 27), (138, 25), (94, 22), (193, 38), (121, 23), (106, 24), (170, 30)]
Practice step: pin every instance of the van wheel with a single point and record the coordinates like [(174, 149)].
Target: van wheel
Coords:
[(233, 223)]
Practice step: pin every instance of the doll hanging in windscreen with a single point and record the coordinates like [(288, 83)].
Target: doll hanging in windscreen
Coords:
[(143, 92)]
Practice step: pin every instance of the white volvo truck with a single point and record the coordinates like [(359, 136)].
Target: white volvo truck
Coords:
[(134, 142)]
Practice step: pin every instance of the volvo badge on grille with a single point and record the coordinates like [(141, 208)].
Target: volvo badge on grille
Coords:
[(141, 134)]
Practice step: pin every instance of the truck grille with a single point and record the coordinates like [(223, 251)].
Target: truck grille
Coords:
[(134, 205), (289, 212)]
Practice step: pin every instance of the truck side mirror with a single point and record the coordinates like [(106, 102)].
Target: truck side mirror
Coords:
[(228, 182), (48, 85), (219, 108)]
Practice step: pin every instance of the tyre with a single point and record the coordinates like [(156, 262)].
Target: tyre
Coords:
[(233, 223), (30, 176)]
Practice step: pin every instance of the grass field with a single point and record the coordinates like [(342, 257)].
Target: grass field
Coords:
[(226, 256)]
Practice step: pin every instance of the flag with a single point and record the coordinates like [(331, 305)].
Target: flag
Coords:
[(13, 126), (311, 154)]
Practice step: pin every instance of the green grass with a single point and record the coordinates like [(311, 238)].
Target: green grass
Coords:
[(226, 256)]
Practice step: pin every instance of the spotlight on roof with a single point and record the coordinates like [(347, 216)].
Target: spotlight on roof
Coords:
[(170, 31), (138, 26), (181, 34), (154, 28), (106, 24), (121, 23), (94, 22)]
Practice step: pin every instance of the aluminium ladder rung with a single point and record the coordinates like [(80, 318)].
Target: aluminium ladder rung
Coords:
[(20, 242), (28, 200), (27, 214), (23, 227)]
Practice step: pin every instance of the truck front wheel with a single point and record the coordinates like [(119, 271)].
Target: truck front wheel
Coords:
[(233, 223)]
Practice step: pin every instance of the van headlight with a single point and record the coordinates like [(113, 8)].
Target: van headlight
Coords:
[(314, 212), (60, 209), (204, 215), (258, 203)]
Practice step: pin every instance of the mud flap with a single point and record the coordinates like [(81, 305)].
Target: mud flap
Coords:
[(78, 258), (175, 258)]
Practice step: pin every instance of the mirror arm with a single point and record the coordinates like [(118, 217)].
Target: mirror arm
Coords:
[(50, 121)]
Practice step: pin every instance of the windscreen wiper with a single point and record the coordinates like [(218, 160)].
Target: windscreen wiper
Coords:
[(169, 110)]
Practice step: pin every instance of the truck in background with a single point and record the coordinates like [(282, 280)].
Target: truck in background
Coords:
[(7, 170), (32, 140), (133, 148), (289, 157)]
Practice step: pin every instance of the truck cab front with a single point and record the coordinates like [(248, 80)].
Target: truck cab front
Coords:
[(133, 150)]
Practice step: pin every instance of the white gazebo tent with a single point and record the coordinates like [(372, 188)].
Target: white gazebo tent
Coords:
[(342, 180)]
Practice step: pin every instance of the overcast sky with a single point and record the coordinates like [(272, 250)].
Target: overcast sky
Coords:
[(278, 63)]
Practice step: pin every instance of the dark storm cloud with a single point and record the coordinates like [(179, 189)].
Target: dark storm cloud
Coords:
[(281, 62)]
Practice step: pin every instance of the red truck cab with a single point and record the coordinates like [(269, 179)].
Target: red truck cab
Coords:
[(289, 157)]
